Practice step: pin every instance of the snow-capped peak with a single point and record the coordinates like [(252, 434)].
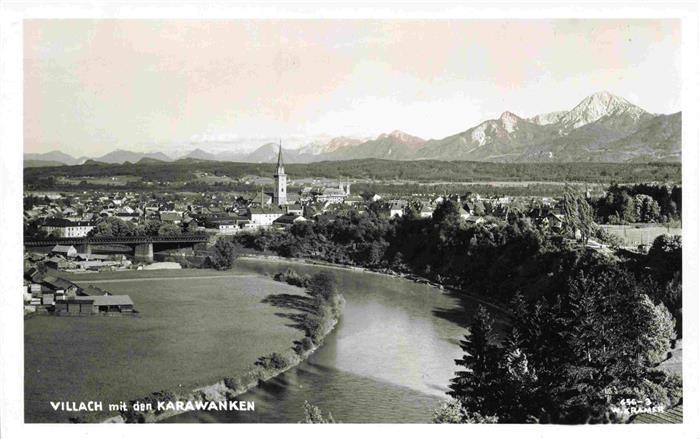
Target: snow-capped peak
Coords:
[(548, 118), (599, 105), (509, 121)]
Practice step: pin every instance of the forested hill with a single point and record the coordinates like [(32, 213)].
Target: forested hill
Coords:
[(380, 170)]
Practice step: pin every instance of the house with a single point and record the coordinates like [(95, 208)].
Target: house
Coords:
[(125, 216), (122, 304), (264, 216), (353, 200), (55, 283), (426, 211), (33, 274), (86, 305), (288, 220), (67, 251), (172, 217), (35, 289), (47, 299), (555, 221), (63, 228), (80, 305), (396, 208), (474, 220), (225, 226), (296, 209), (330, 195), (59, 263), (69, 211)]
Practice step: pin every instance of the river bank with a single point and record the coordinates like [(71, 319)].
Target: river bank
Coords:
[(447, 289), (227, 389)]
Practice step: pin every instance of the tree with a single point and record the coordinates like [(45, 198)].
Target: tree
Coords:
[(112, 226), (665, 256), (224, 254), (517, 382), (313, 415), (191, 227), (322, 285), (578, 215), (151, 227), (648, 210), (473, 385), (169, 230), (446, 212), (660, 331), (627, 209), (615, 336)]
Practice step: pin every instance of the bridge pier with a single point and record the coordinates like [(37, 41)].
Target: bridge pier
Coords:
[(144, 252), (84, 248)]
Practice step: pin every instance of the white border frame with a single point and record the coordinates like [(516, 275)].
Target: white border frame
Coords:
[(11, 146)]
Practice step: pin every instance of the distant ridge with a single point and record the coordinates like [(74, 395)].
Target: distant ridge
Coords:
[(41, 163), (601, 128)]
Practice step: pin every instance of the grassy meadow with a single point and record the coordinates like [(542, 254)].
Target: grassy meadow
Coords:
[(636, 234), (194, 327)]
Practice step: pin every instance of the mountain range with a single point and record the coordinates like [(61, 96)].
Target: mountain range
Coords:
[(601, 128)]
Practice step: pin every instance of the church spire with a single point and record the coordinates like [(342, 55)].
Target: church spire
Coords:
[(279, 197), (280, 162)]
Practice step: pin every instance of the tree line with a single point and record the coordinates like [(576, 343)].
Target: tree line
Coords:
[(371, 170), (645, 203)]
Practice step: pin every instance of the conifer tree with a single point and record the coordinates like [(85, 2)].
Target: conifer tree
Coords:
[(473, 386)]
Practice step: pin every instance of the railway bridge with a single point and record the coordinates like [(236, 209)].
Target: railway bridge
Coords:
[(142, 245)]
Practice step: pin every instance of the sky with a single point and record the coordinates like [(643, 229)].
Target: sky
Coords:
[(92, 86)]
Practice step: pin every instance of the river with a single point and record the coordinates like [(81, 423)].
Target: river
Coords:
[(389, 360)]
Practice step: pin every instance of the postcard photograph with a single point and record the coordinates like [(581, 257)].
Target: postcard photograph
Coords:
[(352, 221)]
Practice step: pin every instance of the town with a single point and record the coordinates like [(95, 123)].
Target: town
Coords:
[(96, 231)]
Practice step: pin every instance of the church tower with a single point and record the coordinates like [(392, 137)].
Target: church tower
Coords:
[(279, 197)]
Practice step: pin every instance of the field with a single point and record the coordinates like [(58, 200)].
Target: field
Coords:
[(213, 179), (194, 327), (636, 234), (116, 180)]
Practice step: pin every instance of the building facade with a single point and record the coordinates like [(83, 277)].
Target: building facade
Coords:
[(63, 228), (262, 217)]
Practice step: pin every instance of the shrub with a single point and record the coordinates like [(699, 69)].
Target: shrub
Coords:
[(313, 415), (448, 413), (303, 345), (452, 412), (274, 361), (224, 254), (293, 278), (235, 384), (322, 285)]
